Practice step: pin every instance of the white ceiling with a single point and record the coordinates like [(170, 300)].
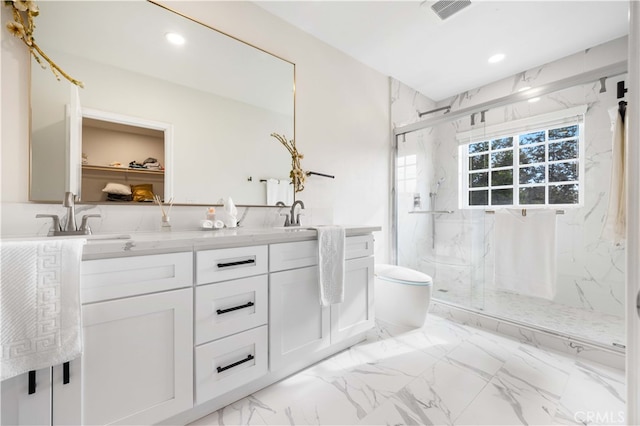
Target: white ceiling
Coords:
[(109, 32), (409, 42)]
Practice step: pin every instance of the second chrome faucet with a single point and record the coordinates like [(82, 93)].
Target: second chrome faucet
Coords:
[(293, 219)]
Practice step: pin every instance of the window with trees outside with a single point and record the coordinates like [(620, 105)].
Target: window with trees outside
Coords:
[(536, 167)]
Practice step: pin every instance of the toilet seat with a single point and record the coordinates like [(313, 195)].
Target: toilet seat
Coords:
[(402, 275)]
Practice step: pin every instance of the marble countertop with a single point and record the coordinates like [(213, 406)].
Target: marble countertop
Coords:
[(102, 246)]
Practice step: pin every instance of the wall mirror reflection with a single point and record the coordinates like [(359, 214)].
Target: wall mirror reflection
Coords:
[(209, 103)]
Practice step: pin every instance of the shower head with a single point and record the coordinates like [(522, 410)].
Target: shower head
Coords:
[(438, 183)]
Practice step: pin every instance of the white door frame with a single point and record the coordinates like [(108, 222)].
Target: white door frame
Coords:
[(633, 218)]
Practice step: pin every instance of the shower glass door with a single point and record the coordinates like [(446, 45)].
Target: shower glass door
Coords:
[(451, 212), (433, 235)]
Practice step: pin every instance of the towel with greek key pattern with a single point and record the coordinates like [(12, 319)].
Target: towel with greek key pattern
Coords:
[(39, 304)]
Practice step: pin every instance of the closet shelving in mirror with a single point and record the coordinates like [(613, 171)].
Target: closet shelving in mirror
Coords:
[(121, 169)]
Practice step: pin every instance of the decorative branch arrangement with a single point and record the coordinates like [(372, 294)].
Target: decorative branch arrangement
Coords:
[(23, 27), (297, 175)]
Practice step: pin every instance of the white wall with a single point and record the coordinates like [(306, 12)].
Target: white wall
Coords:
[(342, 128)]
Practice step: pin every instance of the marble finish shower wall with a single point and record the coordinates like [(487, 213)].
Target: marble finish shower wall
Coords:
[(590, 271)]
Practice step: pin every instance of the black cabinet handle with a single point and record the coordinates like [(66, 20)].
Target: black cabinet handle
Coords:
[(235, 308), (65, 373), (239, 262), (235, 364), (32, 382)]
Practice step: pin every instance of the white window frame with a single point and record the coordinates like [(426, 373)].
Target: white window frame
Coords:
[(402, 180), (567, 117)]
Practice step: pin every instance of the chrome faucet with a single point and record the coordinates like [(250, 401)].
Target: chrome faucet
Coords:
[(295, 219), (70, 203), (69, 227)]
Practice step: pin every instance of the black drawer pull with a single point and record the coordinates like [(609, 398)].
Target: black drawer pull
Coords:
[(239, 262), (32, 382), (235, 308), (235, 364), (66, 376)]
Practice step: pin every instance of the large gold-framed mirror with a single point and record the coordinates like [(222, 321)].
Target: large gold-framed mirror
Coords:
[(215, 100)]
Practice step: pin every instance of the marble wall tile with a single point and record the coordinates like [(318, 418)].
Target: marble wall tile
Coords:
[(18, 219)]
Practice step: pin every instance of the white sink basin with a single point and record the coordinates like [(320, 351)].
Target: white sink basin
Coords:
[(293, 228), (98, 238)]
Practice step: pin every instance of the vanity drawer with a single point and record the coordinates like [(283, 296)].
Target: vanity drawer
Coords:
[(305, 253), (358, 246), (103, 279), (230, 307), (299, 254), (230, 362), (228, 264)]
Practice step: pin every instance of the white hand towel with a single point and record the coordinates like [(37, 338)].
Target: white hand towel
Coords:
[(525, 252), (39, 304), (331, 241), (279, 190)]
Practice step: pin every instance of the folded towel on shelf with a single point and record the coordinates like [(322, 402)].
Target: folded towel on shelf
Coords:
[(331, 241), (39, 304), (525, 252)]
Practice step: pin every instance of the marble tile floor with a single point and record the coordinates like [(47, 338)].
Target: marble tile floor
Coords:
[(443, 374), (572, 321)]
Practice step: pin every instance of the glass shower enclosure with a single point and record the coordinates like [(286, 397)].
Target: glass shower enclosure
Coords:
[(439, 233)]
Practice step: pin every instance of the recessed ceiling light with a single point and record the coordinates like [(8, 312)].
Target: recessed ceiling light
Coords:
[(496, 58), (532, 100), (174, 38)]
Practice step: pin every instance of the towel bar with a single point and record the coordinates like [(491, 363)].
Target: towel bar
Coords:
[(524, 212)]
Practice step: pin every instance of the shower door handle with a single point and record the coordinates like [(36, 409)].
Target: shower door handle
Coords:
[(638, 304)]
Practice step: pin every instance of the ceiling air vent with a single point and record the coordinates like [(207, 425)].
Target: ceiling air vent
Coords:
[(446, 8)]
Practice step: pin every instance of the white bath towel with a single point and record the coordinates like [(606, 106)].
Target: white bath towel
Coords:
[(279, 190), (39, 304), (331, 241), (525, 252), (615, 222)]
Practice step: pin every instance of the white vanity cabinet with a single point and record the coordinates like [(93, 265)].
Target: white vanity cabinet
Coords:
[(179, 329), (231, 314), (137, 364), (356, 313), (27, 400), (299, 325), (42, 397)]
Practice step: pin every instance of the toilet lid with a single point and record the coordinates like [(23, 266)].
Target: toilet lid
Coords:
[(401, 275)]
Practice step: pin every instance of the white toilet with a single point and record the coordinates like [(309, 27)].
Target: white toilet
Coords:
[(402, 295)]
